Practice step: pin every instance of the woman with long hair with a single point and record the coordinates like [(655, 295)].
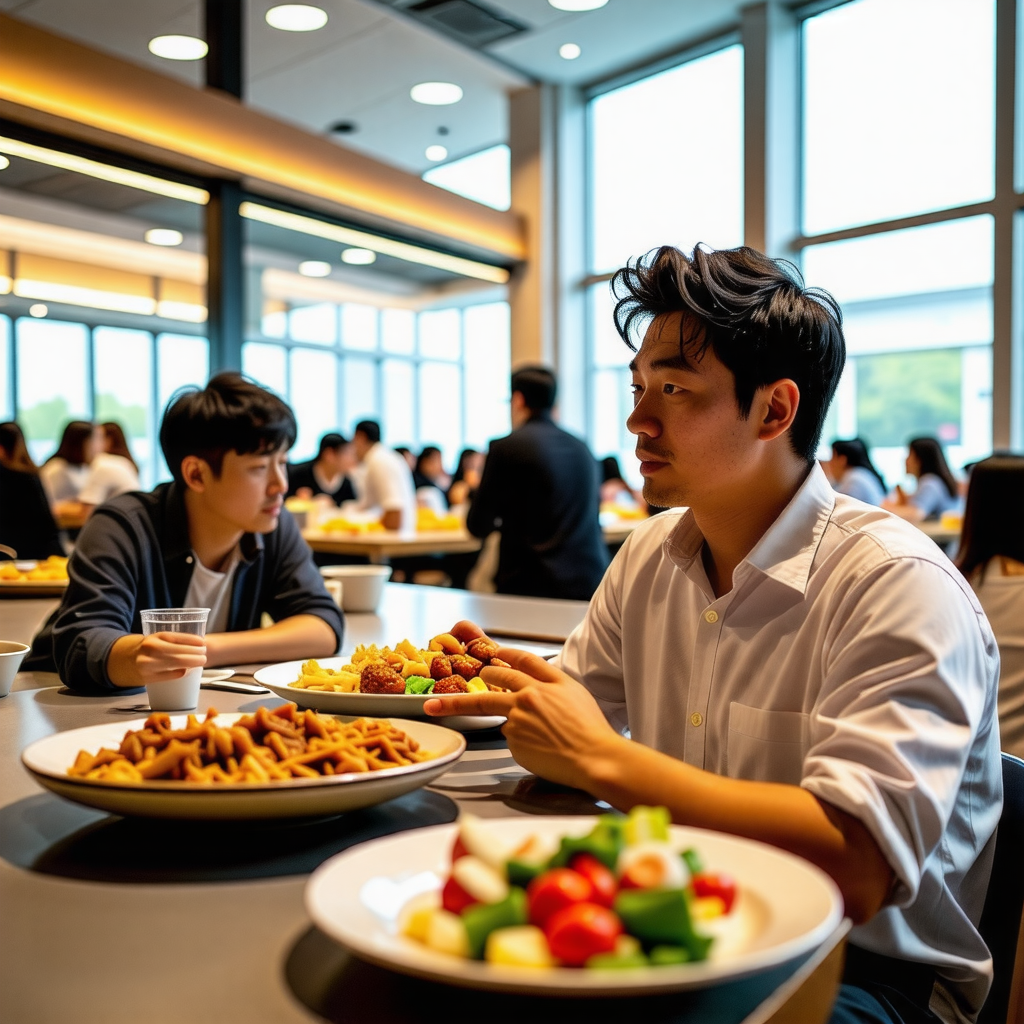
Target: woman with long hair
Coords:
[(937, 489), (467, 476), (26, 523), (852, 472), (64, 473), (113, 470), (991, 556)]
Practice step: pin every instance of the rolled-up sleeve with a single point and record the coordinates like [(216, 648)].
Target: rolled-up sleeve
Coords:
[(909, 681)]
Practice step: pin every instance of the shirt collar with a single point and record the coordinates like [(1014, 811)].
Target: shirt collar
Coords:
[(786, 551)]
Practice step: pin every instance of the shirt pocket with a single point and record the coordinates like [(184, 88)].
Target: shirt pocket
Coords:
[(766, 746)]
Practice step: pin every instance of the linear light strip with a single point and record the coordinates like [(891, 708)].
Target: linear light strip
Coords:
[(384, 246), (95, 298), (118, 175)]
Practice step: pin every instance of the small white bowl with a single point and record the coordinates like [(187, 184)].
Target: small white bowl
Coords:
[(11, 656), (362, 585)]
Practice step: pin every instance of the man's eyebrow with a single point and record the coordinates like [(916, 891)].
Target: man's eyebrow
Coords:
[(676, 362)]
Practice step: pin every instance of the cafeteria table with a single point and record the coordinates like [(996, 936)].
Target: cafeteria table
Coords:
[(110, 920)]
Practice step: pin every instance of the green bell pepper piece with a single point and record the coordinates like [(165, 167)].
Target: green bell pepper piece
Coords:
[(522, 874), (660, 917), (419, 685), (604, 841), (692, 860), (483, 918), (665, 956), (616, 961)]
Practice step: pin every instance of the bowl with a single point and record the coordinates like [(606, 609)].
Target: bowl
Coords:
[(362, 585), (11, 656)]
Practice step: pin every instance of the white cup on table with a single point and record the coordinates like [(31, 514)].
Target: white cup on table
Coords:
[(175, 694), (11, 655)]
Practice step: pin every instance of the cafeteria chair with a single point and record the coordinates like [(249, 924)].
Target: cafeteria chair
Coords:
[(1001, 918)]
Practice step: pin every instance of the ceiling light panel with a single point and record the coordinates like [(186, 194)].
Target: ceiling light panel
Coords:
[(164, 236), (569, 51), (577, 5), (436, 94), (296, 17), (358, 257), (314, 268), (436, 153), (178, 47)]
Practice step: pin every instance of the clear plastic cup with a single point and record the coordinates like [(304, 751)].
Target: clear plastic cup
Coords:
[(175, 694)]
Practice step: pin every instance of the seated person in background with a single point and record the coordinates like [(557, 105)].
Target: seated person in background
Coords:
[(216, 537), (64, 473), (431, 481), (406, 453), (937, 489), (791, 666), (991, 556), (466, 478), (614, 489), (540, 488), (852, 472), (112, 471), (326, 474), (387, 489), (26, 523)]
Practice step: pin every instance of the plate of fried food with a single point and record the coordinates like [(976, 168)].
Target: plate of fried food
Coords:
[(47, 578), (376, 680), (284, 762)]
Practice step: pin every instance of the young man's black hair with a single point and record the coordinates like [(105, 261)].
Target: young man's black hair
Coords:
[(538, 387), (755, 314), (331, 442), (230, 414), (370, 429)]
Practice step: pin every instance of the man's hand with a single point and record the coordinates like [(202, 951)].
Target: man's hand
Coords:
[(136, 660), (554, 728)]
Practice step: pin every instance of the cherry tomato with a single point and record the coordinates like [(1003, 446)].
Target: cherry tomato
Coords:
[(459, 849), (708, 883), (555, 889), (602, 880), (582, 930), (454, 898)]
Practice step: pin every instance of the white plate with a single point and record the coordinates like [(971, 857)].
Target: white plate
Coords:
[(280, 677), (215, 675), (49, 759), (785, 907)]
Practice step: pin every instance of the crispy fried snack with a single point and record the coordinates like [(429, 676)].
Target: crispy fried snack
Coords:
[(53, 568), (281, 744)]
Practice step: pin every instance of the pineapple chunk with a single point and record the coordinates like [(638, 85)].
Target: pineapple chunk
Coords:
[(446, 933), (520, 946)]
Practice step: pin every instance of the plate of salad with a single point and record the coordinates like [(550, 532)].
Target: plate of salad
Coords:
[(573, 906)]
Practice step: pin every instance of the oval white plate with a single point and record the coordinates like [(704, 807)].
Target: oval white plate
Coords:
[(280, 677), (786, 907), (49, 759)]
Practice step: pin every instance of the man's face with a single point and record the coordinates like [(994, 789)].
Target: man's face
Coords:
[(361, 444), (249, 492), (692, 443)]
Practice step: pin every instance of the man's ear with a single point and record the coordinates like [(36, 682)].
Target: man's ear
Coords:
[(779, 403), (195, 472)]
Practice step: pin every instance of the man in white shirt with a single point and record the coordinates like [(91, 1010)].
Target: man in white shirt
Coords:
[(789, 665), (386, 488)]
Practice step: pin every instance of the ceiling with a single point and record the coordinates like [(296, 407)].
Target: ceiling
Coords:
[(361, 65)]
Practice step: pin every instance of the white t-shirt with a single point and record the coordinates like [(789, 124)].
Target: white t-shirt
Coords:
[(61, 480), (209, 589), (109, 476), (1002, 597), (387, 485), (850, 658)]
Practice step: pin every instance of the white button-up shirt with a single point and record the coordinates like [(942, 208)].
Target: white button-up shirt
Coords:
[(850, 658), (387, 486)]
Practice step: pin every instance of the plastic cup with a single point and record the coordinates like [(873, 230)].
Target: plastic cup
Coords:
[(175, 694)]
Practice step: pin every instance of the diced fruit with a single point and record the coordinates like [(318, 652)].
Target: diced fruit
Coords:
[(482, 882), (554, 890), (661, 917), (459, 849), (454, 898), (480, 841), (416, 914), (708, 883), (600, 878), (476, 685), (665, 956), (616, 961), (536, 850), (646, 823), (483, 918), (447, 934), (651, 865), (626, 944), (521, 946), (578, 932), (706, 908)]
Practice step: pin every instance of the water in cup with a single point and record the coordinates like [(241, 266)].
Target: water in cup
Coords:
[(175, 694)]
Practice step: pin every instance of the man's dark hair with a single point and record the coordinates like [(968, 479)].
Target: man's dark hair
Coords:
[(538, 387), (370, 429), (331, 442), (231, 414), (754, 313)]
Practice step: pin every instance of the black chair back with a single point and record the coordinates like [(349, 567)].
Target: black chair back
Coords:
[(1004, 903)]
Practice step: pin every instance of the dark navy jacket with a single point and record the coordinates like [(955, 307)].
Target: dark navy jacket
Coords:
[(134, 553)]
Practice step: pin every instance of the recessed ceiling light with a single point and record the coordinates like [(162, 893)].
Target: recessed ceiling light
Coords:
[(164, 236), (577, 5), (358, 257), (436, 94), (436, 153), (296, 17), (569, 51), (178, 47), (38, 309), (4, 162), (314, 268)]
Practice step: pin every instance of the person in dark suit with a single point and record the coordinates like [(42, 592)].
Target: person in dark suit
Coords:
[(326, 474), (540, 488)]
